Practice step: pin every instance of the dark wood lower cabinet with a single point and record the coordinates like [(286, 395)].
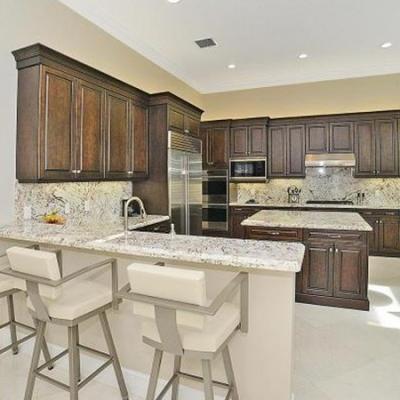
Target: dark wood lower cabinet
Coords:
[(335, 266)]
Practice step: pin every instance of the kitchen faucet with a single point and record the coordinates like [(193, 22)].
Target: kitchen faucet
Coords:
[(142, 211)]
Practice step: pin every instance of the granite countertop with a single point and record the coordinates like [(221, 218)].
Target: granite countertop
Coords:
[(225, 254), (330, 206), (344, 221)]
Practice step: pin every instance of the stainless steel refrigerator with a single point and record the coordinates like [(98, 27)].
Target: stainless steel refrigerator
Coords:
[(185, 183)]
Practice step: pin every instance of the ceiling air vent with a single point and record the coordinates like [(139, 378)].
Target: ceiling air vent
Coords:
[(203, 43)]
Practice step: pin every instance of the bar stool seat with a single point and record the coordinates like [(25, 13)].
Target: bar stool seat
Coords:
[(216, 330), (76, 299)]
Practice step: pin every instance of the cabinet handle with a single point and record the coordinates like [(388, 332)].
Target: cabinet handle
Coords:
[(331, 250), (336, 250), (78, 171), (378, 172), (273, 233), (377, 221), (130, 172), (187, 131)]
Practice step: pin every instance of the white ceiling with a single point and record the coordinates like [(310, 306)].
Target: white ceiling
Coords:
[(262, 37)]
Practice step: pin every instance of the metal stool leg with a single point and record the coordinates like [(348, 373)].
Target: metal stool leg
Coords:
[(229, 372), (175, 385), (78, 355), (208, 384), (73, 360), (41, 328), (155, 372), (45, 349), (113, 353), (13, 331)]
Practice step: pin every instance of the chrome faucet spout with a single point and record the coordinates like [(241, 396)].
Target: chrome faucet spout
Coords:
[(142, 210)]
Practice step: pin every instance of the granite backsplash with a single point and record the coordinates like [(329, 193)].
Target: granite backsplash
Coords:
[(325, 184), (80, 202)]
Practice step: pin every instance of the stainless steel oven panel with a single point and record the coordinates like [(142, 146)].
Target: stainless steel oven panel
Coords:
[(219, 225)]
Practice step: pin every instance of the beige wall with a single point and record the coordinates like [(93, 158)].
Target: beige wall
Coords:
[(349, 95), (24, 22)]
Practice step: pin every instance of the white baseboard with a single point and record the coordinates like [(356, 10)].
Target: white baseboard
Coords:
[(136, 381)]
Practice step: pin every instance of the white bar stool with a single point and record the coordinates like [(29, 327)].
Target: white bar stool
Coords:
[(179, 319), (8, 288), (56, 300)]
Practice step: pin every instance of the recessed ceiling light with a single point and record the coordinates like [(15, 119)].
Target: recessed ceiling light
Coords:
[(302, 56), (386, 45), (231, 66), (173, 1)]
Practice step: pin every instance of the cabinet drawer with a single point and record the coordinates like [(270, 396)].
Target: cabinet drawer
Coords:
[(357, 236), (273, 234)]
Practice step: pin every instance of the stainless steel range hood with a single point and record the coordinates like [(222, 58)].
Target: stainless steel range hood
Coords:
[(330, 160)]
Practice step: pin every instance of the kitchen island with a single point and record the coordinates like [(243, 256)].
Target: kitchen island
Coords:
[(262, 357), (335, 267)]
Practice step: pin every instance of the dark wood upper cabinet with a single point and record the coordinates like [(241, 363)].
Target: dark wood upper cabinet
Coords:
[(57, 127), (239, 142), (317, 138), (365, 149), (286, 151), (183, 121), (76, 123), (140, 141), (387, 147), (118, 136), (277, 141), (376, 148), (257, 141), (192, 125), (341, 137), (215, 138), (90, 131), (249, 138), (295, 150), (176, 120)]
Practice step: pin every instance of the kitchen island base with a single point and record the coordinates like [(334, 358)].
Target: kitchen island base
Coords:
[(262, 358)]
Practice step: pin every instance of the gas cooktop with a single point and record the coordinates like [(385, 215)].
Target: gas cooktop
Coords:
[(344, 202)]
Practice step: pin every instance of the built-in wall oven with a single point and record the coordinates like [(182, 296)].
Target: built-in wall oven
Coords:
[(248, 170), (215, 200)]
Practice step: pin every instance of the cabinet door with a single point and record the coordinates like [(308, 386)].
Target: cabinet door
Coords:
[(389, 235), (318, 269), (373, 236), (118, 137), (295, 150), (257, 141), (277, 152), (239, 142), (341, 137), (90, 132), (238, 215), (175, 120), (350, 272), (386, 146), (192, 125), (57, 127), (365, 149), (215, 148), (317, 138), (139, 141)]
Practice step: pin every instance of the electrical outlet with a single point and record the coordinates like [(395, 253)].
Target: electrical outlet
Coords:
[(87, 205), (27, 212), (67, 208)]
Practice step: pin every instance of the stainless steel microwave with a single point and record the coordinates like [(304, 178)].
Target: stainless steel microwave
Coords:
[(248, 170)]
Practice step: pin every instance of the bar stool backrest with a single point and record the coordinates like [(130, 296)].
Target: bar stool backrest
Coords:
[(37, 263), (186, 286)]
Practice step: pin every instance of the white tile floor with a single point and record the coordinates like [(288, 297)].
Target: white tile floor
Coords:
[(340, 354)]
